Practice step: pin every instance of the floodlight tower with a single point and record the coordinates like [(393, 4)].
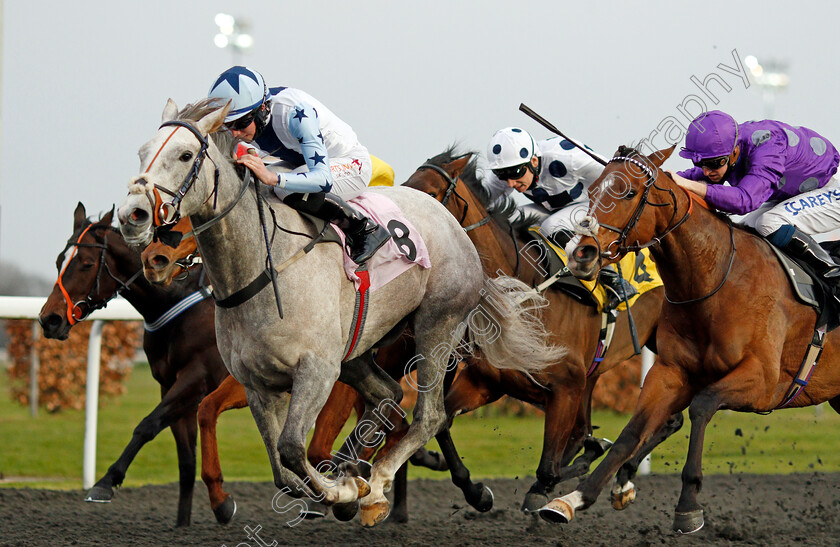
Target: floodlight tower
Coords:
[(771, 76), (233, 35)]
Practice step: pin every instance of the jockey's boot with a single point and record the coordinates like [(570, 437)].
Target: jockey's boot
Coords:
[(364, 237), (803, 246), (617, 288)]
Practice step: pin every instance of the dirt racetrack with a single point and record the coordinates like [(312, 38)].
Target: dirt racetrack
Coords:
[(799, 509)]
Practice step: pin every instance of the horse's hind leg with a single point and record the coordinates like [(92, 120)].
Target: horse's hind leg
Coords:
[(229, 395), (480, 497), (624, 491), (185, 432)]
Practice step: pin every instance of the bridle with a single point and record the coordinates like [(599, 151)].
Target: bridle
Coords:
[(167, 213), (621, 249), (81, 309), (450, 190)]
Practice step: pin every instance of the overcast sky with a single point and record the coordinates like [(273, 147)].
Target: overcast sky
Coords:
[(84, 83)]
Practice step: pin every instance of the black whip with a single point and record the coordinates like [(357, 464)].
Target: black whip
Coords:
[(545, 123)]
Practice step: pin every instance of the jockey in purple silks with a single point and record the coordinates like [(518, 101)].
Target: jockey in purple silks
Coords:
[(781, 177), (326, 155)]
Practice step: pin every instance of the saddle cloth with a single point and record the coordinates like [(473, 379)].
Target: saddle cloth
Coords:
[(405, 248), (637, 268)]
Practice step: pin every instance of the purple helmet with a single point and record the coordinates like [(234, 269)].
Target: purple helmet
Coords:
[(710, 135)]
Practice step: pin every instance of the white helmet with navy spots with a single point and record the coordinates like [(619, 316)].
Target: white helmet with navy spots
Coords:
[(245, 86), (509, 147)]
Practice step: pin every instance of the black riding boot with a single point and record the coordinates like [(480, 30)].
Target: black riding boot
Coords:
[(617, 287), (364, 237), (803, 246)]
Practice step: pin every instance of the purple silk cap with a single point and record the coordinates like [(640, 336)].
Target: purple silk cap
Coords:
[(710, 135)]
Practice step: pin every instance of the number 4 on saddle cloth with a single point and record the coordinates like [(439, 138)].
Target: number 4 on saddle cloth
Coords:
[(638, 269)]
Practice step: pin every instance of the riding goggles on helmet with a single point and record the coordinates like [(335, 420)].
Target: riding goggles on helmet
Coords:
[(508, 173), (242, 123), (712, 163)]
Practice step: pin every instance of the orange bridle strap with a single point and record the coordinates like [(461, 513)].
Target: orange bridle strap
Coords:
[(70, 306)]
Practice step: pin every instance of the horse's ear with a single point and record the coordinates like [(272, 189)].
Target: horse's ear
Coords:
[(79, 216), (659, 157), (455, 167), (214, 120), (108, 218), (170, 111)]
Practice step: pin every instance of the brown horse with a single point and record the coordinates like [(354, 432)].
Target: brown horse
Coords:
[(563, 390), (162, 263), (94, 267), (732, 334)]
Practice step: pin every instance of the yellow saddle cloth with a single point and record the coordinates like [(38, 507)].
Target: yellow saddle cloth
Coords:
[(638, 269)]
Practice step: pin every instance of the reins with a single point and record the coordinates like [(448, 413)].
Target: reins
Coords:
[(450, 190)]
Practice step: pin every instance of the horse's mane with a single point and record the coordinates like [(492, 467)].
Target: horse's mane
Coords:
[(501, 210), (222, 137)]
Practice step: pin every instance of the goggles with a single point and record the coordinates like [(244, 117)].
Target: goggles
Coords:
[(242, 123), (508, 173), (712, 163)]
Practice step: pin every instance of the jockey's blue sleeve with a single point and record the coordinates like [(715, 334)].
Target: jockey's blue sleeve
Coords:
[(304, 126)]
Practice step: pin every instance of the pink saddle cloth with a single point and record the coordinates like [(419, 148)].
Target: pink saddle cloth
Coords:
[(405, 248)]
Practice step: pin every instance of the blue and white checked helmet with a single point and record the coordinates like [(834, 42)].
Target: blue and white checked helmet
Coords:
[(510, 147), (245, 86)]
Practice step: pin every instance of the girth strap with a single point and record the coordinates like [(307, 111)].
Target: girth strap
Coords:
[(245, 293)]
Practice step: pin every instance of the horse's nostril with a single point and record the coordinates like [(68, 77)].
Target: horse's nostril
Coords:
[(160, 261), (139, 215)]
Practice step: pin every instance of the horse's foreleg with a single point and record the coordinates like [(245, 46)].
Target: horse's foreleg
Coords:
[(582, 430), (477, 495), (560, 408), (185, 432), (665, 392), (624, 491), (179, 400), (743, 387), (330, 421), (229, 395)]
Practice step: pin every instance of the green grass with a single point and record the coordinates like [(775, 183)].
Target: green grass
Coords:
[(46, 452)]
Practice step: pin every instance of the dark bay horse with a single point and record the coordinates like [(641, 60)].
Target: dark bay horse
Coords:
[(95, 266), (564, 391), (732, 334)]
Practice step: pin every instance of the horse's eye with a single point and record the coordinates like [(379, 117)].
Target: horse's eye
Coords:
[(631, 194), (186, 156), (87, 265)]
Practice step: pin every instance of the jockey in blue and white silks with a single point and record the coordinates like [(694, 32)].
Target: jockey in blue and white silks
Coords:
[(327, 157), (555, 175), (781, 177)]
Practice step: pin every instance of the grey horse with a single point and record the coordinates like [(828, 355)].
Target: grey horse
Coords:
[(187, 170)]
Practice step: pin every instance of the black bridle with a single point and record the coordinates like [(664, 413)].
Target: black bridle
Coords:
[(450, 190), (89, 304), (621, 249)]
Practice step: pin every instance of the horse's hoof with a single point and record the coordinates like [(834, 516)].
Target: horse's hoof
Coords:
[(314, 510), (398, 517), (363, 487), (622, 498), (225, 511), (375, 513), (689, 522), (534, 502), (557, 511), (345, 511), (100, 494), (485, 499)]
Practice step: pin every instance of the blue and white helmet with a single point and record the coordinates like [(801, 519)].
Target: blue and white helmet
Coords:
[(510, 147), (245, 86)]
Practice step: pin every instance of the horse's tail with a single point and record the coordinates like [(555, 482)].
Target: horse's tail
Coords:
[(507, 328)]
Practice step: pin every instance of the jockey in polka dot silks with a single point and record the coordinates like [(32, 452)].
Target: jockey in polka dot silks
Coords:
[(327, 157), (555, 175), (781, 177)]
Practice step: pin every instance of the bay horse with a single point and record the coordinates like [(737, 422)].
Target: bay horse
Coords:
[(732, 334), (161, 264), (95, 266), (563, 390), (300, 348)]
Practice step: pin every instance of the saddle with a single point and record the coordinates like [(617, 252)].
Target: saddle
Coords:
[(811, 288)]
